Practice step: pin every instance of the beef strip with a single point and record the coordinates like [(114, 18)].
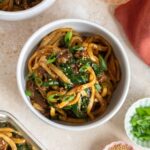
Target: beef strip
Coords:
[(36, 96)]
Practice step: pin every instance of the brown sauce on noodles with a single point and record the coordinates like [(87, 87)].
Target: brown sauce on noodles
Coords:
[(16, 5), (11, 139), (71, 77)]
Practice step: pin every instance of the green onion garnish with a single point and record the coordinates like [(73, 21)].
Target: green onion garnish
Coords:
[(50, 83), (102, 63), (68, 98), (30, 76), (140, 122), (98, 87), (76, 48), (67, 38), (84, 68), (28, 93), (38, 81), (53, 97), (51, 58)]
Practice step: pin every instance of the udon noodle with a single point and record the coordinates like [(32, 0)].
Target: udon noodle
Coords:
[(11, 139), (72, 76), (16, 5)]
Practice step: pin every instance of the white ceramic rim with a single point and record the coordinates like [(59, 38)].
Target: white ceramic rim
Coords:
[(54, 124), (141, 102), (28, 13)]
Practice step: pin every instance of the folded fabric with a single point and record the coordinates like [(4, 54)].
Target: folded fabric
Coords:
[(134, 16)]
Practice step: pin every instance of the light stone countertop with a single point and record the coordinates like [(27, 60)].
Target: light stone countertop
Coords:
[(13, 35)]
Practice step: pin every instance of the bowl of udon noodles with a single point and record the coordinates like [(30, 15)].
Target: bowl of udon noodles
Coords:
[(13, 10), (73, 74)]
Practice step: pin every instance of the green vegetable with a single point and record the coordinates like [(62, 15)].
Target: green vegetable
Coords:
[(98, 87), (53, 97), (25, 146), (102, 63), (97, 69), (28, 93), (86, 90), (84, 61), (143, 111), (76, 48), (84, 68), (84, 103), (30, 76), (79, 78), (50, 83), (67, 107), (38, 81), (51, 58), (141, 123), (80, 111), (67, 38), (67, 86), (66, 68), (68, 98), (33, 77), (77, 112), (87, 62)]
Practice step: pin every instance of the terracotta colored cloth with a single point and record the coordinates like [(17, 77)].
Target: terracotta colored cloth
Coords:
[(134, 16)]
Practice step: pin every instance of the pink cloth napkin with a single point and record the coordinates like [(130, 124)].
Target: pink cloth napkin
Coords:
[(134, 16)]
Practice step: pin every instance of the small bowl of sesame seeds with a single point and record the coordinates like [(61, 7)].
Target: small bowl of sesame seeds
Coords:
[(118, 145)]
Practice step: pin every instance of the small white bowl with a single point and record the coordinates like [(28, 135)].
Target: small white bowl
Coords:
[(25, 14), (145, 102), (80, 26)]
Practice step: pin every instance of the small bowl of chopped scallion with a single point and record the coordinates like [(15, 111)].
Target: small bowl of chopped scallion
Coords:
[(137, 122)]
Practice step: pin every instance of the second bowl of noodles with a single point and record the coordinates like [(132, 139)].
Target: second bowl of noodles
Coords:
[(14, 10), (73, 74)]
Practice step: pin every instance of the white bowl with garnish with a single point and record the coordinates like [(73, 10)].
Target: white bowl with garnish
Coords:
[(142, 103), (120, 93), (25, 14)]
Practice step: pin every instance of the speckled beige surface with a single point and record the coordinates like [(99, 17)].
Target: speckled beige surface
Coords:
[(13, 35)]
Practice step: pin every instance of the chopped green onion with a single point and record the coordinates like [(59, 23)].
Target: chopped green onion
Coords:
[(84, 68), (51, 58), (76, 48), (38, 81), (142, 111), (98, 87), (86, 90), (67, 86), (69, 98), (97, 69), (28, 93), (53, 97), (50, 83), (84, 103), (84, 78), (140, 122), (67, 107), (102, 63), (79, 78), (30, 76), (84, 60), (80, 111), (67, 38)]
